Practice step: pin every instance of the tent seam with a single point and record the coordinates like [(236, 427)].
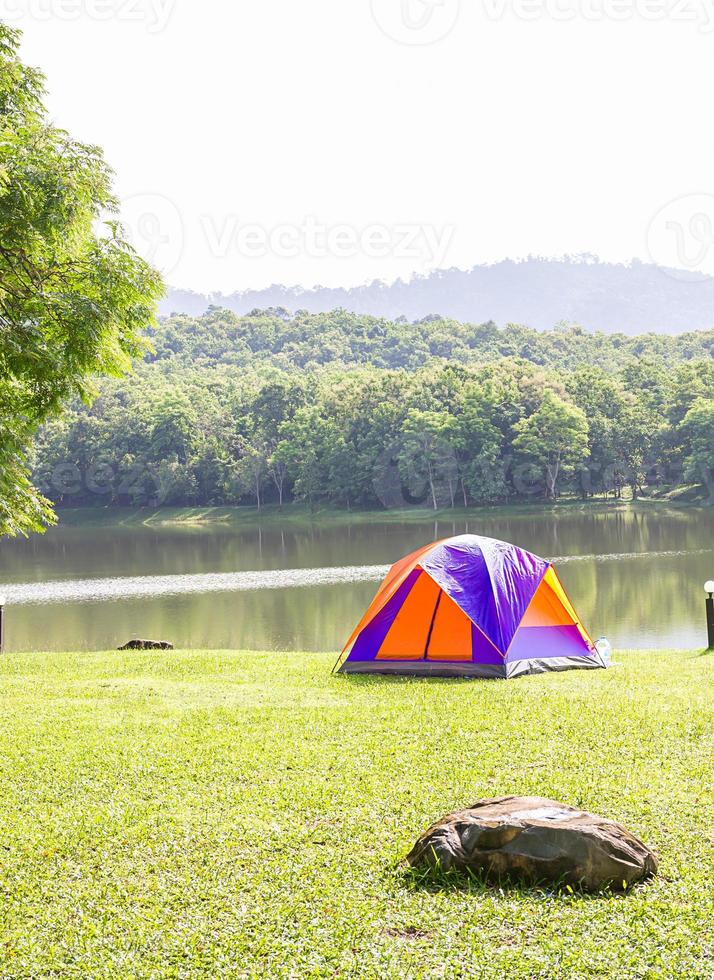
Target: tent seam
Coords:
[(472, 621), (433, 620)]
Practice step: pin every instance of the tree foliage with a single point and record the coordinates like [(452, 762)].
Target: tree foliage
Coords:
[(555, 436), (698, 437), (342, 339), (443, 434), (74, 304)]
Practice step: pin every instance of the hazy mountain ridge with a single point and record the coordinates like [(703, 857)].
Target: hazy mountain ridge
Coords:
[(632, 299)]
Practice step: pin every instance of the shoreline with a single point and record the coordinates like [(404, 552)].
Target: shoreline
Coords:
[(272, 515)]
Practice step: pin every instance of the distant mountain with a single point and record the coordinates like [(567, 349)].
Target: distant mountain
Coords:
[(632, 299)]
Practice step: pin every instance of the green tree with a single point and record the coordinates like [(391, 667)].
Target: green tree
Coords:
[(698, 431), (428, 451), (637, 432), (554, 437), (479, 446), (607, 407), (172, 426), (251, 469), (301, 450), (73, 304)]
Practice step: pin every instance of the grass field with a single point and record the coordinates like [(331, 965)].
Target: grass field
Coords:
[(213, 814)]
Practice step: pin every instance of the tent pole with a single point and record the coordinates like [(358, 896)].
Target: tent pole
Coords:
[(431, 624)]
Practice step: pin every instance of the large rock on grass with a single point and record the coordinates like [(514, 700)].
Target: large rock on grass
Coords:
[(535, 841)]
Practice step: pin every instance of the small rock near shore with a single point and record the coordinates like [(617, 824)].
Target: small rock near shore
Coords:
[(147, 645), (535, 841)]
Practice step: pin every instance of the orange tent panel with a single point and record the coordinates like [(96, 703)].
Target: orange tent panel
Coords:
[(451, 633), (546, 609), (396, 576), (551, 579), (406, 639)]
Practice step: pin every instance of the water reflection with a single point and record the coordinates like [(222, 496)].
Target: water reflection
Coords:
[(634, 575)]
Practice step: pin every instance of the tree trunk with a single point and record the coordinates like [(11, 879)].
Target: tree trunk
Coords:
[(278, 475), (431, 487), (551, 478)]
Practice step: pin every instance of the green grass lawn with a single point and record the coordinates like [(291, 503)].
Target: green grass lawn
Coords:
[(213, 814)]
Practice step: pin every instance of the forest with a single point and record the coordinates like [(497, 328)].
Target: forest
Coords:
[(353, 411)]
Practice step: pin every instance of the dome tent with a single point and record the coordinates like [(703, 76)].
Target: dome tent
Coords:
[(469, 606)]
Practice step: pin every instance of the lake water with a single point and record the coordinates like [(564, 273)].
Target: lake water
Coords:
[(634, 575)]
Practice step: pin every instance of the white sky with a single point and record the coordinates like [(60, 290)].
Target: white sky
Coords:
[(232, 123)]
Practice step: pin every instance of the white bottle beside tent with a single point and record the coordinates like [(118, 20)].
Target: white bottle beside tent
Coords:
[(603, 647)]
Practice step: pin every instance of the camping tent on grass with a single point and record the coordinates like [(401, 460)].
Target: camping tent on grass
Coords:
[(469, 606)]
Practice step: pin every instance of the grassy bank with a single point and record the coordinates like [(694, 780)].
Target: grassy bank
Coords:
[(243, 815), (298, 514)]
